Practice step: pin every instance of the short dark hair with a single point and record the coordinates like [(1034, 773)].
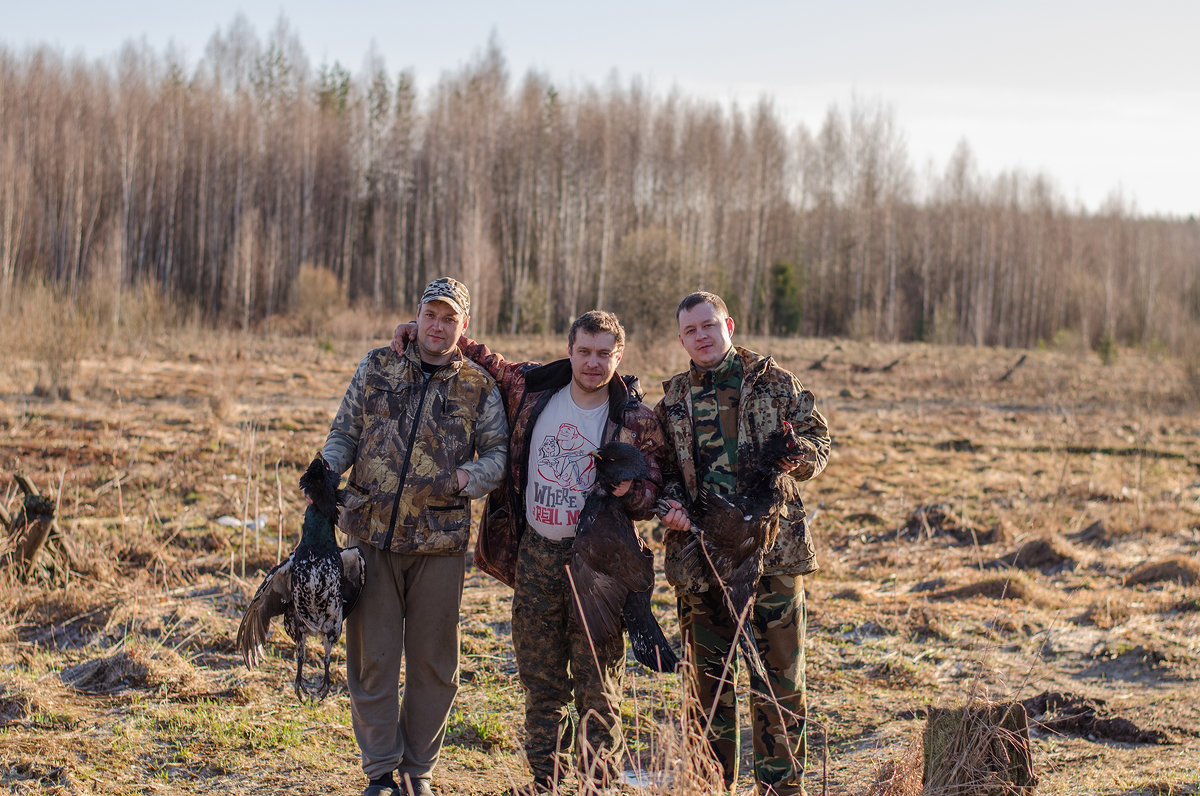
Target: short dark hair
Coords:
[(598, 322), (701, 297)]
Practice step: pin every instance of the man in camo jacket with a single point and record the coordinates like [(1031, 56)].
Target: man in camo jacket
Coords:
[(714, 416), (559, 413), (425, 432)]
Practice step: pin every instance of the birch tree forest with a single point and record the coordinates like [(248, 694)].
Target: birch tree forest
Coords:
[(220, 183)]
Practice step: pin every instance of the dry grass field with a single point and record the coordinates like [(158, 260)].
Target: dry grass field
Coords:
[(1035, 538)]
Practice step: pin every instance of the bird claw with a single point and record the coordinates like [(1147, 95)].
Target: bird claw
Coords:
[(312, 695)]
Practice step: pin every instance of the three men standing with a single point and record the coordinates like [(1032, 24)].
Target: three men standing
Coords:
[(714, 416), (411, 424)]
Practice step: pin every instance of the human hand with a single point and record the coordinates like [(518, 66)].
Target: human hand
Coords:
[(676, 519), (463, 479), (620, 489), (405, 333), (799, 454), (789, 463)]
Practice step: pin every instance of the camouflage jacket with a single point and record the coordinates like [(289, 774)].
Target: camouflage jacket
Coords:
[(769, 395), (527, 387), (406, 434)]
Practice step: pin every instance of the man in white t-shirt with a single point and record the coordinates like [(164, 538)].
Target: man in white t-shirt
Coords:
[(558, 414)]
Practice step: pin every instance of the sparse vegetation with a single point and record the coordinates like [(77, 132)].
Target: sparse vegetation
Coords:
[(121, 676), (316, 297)]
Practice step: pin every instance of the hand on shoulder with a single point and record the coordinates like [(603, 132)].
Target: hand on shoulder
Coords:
[(405, 333)]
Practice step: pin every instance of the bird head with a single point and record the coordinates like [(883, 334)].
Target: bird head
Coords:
[(782, 444), (790, 441), (321, 484), (617, 462)]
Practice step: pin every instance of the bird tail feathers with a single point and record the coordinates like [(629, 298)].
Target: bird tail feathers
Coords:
[(650, 646)]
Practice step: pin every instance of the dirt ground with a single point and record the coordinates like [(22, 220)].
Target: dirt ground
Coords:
[(1032, 538)]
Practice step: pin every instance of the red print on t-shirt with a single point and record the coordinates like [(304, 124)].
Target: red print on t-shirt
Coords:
[(565, 459)]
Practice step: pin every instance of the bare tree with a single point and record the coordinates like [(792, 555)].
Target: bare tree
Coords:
[(215, 184)]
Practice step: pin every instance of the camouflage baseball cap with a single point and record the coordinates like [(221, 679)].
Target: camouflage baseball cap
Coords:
[(450, 291)]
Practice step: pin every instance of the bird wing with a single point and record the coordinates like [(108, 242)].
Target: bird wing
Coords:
[(607, 563), (729, 535), (354, 575), (598, 600), (269, 601), (650, 646)]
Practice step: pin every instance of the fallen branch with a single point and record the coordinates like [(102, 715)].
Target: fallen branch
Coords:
[(857, 368), (1016, 365)]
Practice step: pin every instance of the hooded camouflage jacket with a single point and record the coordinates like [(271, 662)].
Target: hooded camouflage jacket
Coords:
[(769, 395), (406, 434), (527, 388)]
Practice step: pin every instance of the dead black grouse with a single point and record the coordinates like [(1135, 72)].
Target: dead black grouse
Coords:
[(731, 535), (612, 571), (315, 588)]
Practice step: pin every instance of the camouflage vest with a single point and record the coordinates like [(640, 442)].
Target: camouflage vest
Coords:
[(403, 494), (768, 394)]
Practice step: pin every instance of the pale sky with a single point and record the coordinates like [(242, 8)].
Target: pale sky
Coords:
[(1101, 95)]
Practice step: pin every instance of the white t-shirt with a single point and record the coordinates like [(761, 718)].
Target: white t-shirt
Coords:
[(560, 469)]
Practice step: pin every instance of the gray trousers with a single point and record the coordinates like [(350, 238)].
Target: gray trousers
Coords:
[(408, 611)]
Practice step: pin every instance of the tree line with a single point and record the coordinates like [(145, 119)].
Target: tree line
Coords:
[(221, 184)]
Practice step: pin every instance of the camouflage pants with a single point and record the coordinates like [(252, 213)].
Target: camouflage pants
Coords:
[(777, 707), (555, 661)]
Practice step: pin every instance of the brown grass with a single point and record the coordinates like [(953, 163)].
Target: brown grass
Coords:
[(1015, 587), (16, 704), (55, 333), (901, 775), (1177, 569), (141, 666), (1107, 612), (1046, 554), (981, 747), (167, 432)]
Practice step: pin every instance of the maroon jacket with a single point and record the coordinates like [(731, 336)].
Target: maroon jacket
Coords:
[(526, 388)]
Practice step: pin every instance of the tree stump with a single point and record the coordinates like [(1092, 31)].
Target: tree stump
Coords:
[(32, 526), (980, 749), (34, 521)]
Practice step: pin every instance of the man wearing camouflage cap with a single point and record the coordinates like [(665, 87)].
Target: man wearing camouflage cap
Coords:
[(425, 432)]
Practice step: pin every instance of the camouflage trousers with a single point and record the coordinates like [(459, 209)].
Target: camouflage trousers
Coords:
[(777, 707), (556, 662)]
